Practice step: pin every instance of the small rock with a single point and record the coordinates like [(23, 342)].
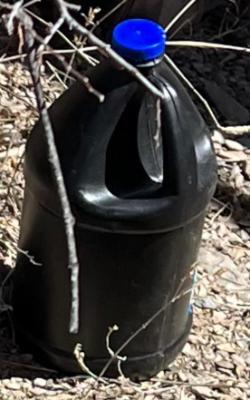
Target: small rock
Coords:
[(233, 145), (37, 391), (244, 235), (161, 375), (12, 385), (40, 382), (208, 304), (19, 380), (189, 351)]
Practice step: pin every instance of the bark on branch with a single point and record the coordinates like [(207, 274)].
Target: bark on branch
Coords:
[(68, 217)]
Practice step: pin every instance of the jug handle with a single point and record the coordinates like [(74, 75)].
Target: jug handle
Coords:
[(89, 187)]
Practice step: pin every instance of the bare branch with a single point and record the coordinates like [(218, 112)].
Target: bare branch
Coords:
[(108, 14), (53, 31), (179, 15), (80, 52), (29, 256), (106, 50), (83, 79), (207, 45), (55, 165)]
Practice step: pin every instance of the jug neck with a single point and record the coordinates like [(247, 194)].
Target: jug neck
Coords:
[(146, 68)]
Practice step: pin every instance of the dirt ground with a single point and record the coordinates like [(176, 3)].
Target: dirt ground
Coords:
[(215, 363)]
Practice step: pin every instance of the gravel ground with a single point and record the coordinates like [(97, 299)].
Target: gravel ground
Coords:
[(215, 363)]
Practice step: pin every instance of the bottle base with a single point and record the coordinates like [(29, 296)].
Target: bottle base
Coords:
[(136, 368)]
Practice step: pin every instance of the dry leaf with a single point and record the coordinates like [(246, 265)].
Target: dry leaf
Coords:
[(224, 364), (233, 145), (205, 392), (233, 156), (227, 347)]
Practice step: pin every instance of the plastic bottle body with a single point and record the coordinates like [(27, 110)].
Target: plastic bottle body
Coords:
[(136, 247)]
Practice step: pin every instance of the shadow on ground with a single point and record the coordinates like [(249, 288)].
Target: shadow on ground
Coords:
[(13, 362)]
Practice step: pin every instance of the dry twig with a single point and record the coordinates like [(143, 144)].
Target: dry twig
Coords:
[(208, 45), (34, 65), (105, 49), (180, 14)]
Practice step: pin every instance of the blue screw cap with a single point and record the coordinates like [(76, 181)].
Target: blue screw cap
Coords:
[(139, 40)]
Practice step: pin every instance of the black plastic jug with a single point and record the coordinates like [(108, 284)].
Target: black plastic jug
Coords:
[(140, 173)]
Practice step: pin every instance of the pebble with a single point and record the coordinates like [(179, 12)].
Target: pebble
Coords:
[(244, 235), (12, 384), (189, 351), (40, 382), (208, 304), (37, 391), (19, 380)]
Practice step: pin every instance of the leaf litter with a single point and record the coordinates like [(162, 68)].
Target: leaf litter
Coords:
[(215, 363)]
